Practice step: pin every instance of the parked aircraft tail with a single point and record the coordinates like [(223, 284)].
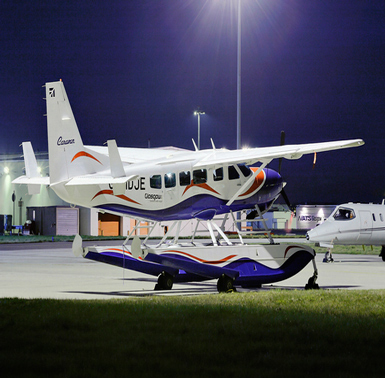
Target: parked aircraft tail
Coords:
[(67, 155)]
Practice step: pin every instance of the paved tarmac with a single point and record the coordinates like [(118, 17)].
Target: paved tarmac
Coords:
[(50, 270)]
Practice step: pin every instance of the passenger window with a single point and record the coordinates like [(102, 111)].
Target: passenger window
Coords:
[(382, 219), (344, 214), (374, 217), (184, 178), (169, 180), (245, 170), (199, 176), (156, 181), (233, 173), (218, 174)]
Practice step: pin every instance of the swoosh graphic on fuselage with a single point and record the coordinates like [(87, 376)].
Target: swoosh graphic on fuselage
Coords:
[(111, 193), (203, 186), (85, 154)]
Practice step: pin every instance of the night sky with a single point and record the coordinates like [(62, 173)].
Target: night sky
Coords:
[(135, 70)]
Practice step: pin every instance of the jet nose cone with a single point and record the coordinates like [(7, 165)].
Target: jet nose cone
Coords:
[(311, 235)]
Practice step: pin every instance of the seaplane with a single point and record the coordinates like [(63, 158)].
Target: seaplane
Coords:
[(172, 184), (351, 224)]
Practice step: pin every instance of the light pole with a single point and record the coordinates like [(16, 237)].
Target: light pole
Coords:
[(239, 78), (199, 113)]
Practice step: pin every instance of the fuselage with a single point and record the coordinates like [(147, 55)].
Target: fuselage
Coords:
[(176, 191), (350, 224)]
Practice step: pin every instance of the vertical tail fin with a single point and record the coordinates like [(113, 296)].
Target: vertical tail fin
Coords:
[(67, 156)]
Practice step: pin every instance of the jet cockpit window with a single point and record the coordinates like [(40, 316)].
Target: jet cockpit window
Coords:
[(233, 173), (199, 176), (169, 180), (156, 181), (218, 174), (184, 178), (245, 170), (344, 214)]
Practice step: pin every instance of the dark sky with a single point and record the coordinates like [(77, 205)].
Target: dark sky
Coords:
[(137, 69)]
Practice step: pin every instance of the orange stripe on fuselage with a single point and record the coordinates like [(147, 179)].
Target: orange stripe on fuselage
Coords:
[(111, 193), (85, 154)]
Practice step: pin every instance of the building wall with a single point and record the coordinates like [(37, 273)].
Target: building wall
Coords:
[(47, 196)]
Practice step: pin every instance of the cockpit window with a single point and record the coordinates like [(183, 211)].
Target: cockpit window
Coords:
[(233, 173), (344, 214), (245, 170)]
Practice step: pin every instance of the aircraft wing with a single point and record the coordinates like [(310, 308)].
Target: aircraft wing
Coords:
[(266, 154)]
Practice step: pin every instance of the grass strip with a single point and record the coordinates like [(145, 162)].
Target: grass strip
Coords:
[(274, 334)]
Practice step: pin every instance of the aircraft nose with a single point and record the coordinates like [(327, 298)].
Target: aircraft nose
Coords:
[(311, 234), (273, 178)]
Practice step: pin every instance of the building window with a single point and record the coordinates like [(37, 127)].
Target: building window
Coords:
[(156, 181)]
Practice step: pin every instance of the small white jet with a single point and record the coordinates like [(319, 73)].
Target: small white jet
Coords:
[(171, 184), (351, 224)]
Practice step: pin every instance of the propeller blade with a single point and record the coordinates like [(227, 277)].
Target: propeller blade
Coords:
[(286, 198), (281, 144)]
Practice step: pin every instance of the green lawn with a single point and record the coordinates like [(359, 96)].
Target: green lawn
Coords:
[(259, 334)]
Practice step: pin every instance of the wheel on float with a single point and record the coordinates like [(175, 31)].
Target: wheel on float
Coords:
[(225, 284), (165, 282)]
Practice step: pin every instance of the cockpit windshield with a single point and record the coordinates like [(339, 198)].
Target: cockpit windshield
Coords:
[(343, 213)]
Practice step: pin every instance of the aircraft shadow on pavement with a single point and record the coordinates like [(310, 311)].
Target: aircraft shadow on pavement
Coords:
[(201, 289)]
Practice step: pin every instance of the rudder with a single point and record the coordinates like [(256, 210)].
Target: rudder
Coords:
[(67, 156)]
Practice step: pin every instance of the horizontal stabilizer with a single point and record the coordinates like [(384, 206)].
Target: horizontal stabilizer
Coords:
[(31, 180), (32, 176)]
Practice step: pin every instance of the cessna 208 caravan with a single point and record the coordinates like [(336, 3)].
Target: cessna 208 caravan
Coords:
[(170, 184)]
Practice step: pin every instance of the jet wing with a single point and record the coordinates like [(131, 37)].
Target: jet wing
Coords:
[(266, 154)]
